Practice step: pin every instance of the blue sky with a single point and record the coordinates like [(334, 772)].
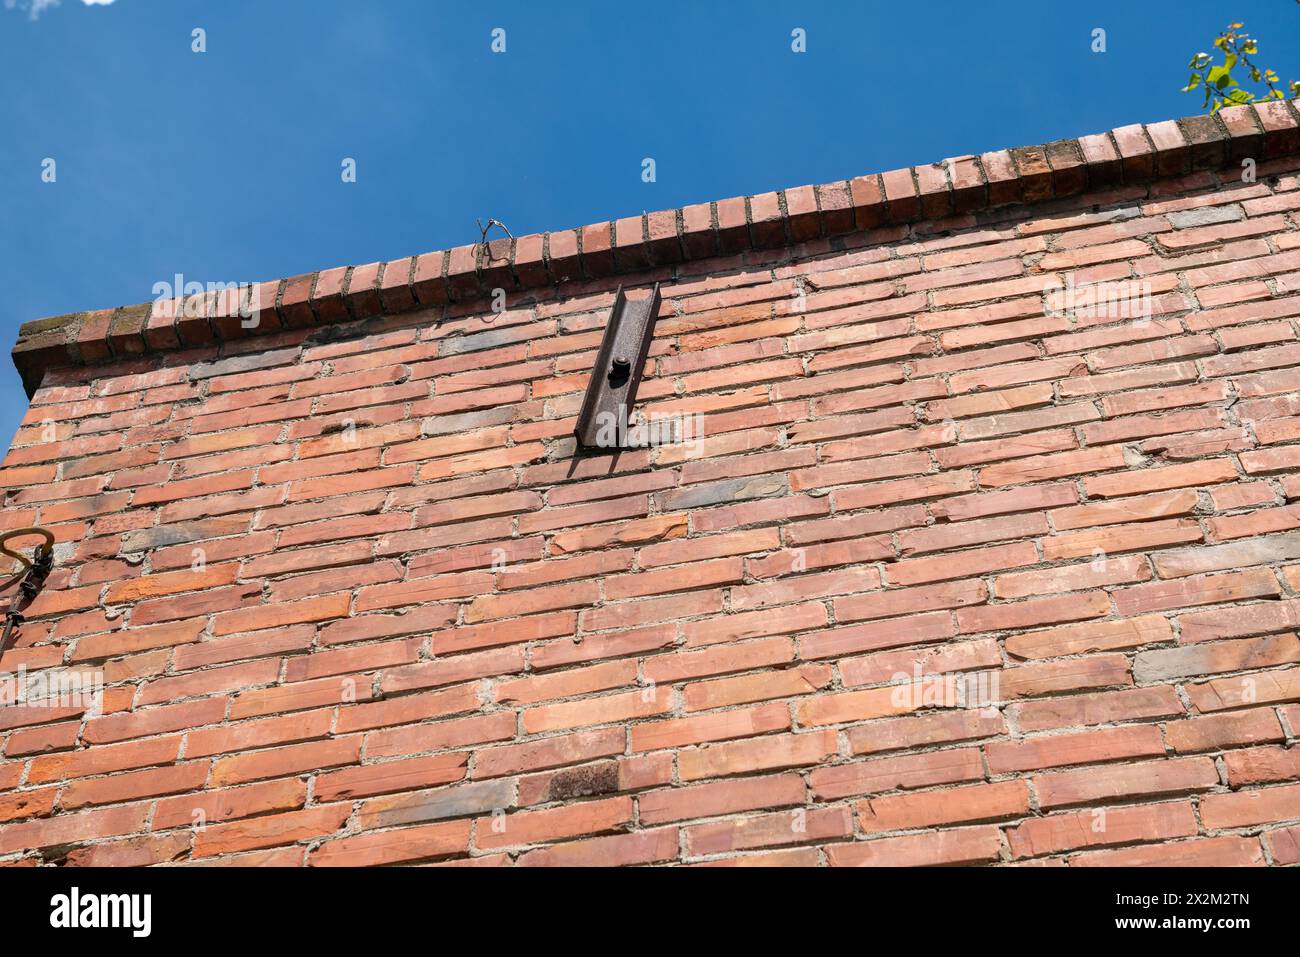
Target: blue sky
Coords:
[(224, 166)]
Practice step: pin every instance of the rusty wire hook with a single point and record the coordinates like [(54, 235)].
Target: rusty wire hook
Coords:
[(41, 557), (29, 577)]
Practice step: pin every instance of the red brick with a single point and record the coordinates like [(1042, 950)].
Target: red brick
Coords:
[(1261, 765), (272, 830), (293, 759), (548, 753), (74, 828), (536, 827), (740, 723), (761, 754), (227, 804), (1212, 732), (877, 775), (719, 798), (964, 845), (1101, 826), (388, 776), (1085, 747), (1098, 708), (394, 847), (1206, 852), (960, 805), (644, 847), (1146, 778), (1250, 807), (783, 827)]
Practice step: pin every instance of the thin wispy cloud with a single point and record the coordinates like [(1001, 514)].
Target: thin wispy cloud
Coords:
[(35, 8)]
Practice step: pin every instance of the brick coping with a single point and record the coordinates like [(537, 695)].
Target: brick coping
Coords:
[(1139, 153)]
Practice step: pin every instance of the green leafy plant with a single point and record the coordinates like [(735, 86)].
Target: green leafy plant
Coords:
[(1220, 84)]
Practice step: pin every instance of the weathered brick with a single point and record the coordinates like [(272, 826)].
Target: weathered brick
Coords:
[(963, 845), (960, 805), (719, 798), (1146, 778), (1086, 747), (948, 766), (394, 847), (1076, 829), (769, 830)]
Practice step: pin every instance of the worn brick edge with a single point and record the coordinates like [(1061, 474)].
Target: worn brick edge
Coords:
[(1139, 153)]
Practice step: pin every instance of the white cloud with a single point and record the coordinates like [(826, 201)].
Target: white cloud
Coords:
[(35, 8)]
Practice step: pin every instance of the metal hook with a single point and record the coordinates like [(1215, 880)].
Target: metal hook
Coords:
[(41, 558), (484, 230), (29, 577)]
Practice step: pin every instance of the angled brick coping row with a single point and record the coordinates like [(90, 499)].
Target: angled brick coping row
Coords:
[(959, 186)]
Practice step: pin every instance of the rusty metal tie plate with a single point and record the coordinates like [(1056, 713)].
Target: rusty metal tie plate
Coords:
[(611, 392)]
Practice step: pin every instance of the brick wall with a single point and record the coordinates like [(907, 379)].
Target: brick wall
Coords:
[(355, 600)]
